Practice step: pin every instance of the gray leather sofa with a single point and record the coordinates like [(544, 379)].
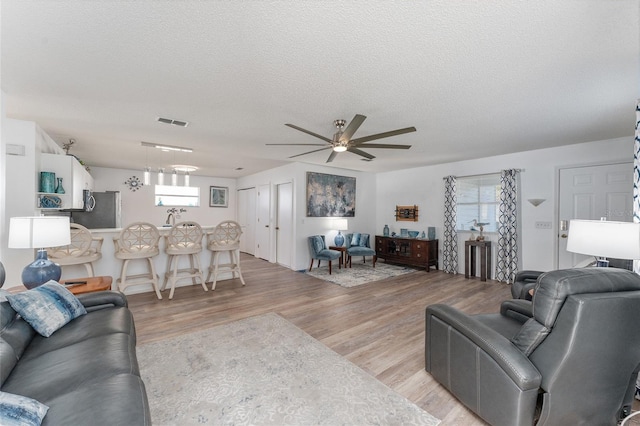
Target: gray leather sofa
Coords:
[(571, 356), (86, 372)]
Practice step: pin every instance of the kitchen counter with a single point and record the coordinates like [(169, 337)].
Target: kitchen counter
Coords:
[(110, 266)]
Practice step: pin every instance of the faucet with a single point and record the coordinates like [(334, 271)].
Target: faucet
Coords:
[(171, 220)]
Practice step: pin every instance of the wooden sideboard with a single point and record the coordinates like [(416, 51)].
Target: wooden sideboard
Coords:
[(408, 251)]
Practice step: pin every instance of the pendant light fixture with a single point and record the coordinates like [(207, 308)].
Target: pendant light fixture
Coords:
[(147, 176), (160, 176), (147, 170), (174, 177), (186, 178)]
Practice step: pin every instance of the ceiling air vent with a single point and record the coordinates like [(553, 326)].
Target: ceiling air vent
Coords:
[(173, 122)]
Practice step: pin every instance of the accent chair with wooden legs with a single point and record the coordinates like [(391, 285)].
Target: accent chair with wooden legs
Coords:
[(358, 245), (318, 250)]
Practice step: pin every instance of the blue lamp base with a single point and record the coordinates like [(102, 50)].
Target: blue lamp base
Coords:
[(339, 240), (40, 271)]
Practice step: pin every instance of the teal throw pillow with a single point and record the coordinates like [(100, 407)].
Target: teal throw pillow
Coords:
[(355, 239), (47, 308), (364, 240), (17, 410)]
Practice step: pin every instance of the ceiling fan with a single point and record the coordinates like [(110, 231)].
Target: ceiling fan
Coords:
[(342, 141)]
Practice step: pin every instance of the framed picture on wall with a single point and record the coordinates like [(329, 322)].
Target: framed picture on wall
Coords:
[(218, 196), (330, 195)]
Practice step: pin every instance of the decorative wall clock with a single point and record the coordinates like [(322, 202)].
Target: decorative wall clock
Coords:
[(134, 183)]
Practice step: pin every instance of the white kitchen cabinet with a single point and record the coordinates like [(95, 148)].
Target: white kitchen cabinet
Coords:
[(75, 177)]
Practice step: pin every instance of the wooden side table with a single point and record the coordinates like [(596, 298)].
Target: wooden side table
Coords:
[(343, 254), (470, 248), (90, 285)]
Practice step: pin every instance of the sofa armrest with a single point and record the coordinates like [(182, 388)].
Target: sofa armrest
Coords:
[(480, 367), (103, 299), (518, 309), (512, 361)]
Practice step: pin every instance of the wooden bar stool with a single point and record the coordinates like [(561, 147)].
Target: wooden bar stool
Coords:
[(184, 239), (224, 238), (138, 241)]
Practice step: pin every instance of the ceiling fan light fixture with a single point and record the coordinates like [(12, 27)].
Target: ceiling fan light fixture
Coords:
[(339, 148)]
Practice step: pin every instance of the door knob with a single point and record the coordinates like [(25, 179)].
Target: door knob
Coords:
[(563, 236)]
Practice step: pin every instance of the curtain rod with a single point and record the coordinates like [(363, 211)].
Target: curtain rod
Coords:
[(483, 174)]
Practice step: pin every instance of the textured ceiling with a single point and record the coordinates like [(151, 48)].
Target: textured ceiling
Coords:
[(475, 78)]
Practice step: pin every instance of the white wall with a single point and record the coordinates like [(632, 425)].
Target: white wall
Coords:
[(138, 206), (19, 191), (424, 186), (364, 220)]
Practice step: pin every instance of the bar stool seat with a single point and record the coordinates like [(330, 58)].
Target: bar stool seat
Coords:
[(224, 238), (138, 241), (184, 239), (84, 249)]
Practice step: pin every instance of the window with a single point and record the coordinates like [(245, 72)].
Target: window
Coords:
[(177, 196), (478, 199)]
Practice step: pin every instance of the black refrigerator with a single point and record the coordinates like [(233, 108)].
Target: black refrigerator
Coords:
[(105, 214)]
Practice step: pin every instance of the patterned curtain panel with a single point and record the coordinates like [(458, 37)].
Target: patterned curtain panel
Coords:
[(450, 243), (507, 258), (636, 182)]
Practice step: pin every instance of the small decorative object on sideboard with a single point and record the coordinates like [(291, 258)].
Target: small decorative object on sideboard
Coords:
[(407, 213), (385, 231), (414, 234), (431, 232)]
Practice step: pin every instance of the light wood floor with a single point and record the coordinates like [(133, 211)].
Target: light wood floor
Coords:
[(377, 326)]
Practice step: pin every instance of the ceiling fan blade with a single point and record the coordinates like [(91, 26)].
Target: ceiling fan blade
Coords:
[(382, 145), (293, 126), (358, 141), (297, 144), (315, 150), (331, 156), (361, 153), (352, 127)]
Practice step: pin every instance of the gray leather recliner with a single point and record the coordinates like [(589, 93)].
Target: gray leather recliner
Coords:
[(571, 356)]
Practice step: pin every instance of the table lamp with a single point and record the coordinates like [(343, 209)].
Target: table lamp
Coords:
[(39, 232), (340, 225), (603, 238)]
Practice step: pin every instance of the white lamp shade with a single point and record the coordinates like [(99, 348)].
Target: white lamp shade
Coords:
[(341, 224), (619, 240), (39, 232)]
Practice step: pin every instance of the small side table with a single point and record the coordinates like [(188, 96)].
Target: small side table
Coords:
[(343, 253), (470, 248), (92, 284)]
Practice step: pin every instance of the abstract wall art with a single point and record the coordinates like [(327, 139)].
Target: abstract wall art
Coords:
[(330, 195)]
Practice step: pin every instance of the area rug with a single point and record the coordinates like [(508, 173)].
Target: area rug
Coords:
[(359, 273), (264, 370)]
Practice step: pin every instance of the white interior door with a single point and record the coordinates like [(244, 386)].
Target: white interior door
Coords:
[(591, 193), (284, 224), (262, 224), (247, 219)]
